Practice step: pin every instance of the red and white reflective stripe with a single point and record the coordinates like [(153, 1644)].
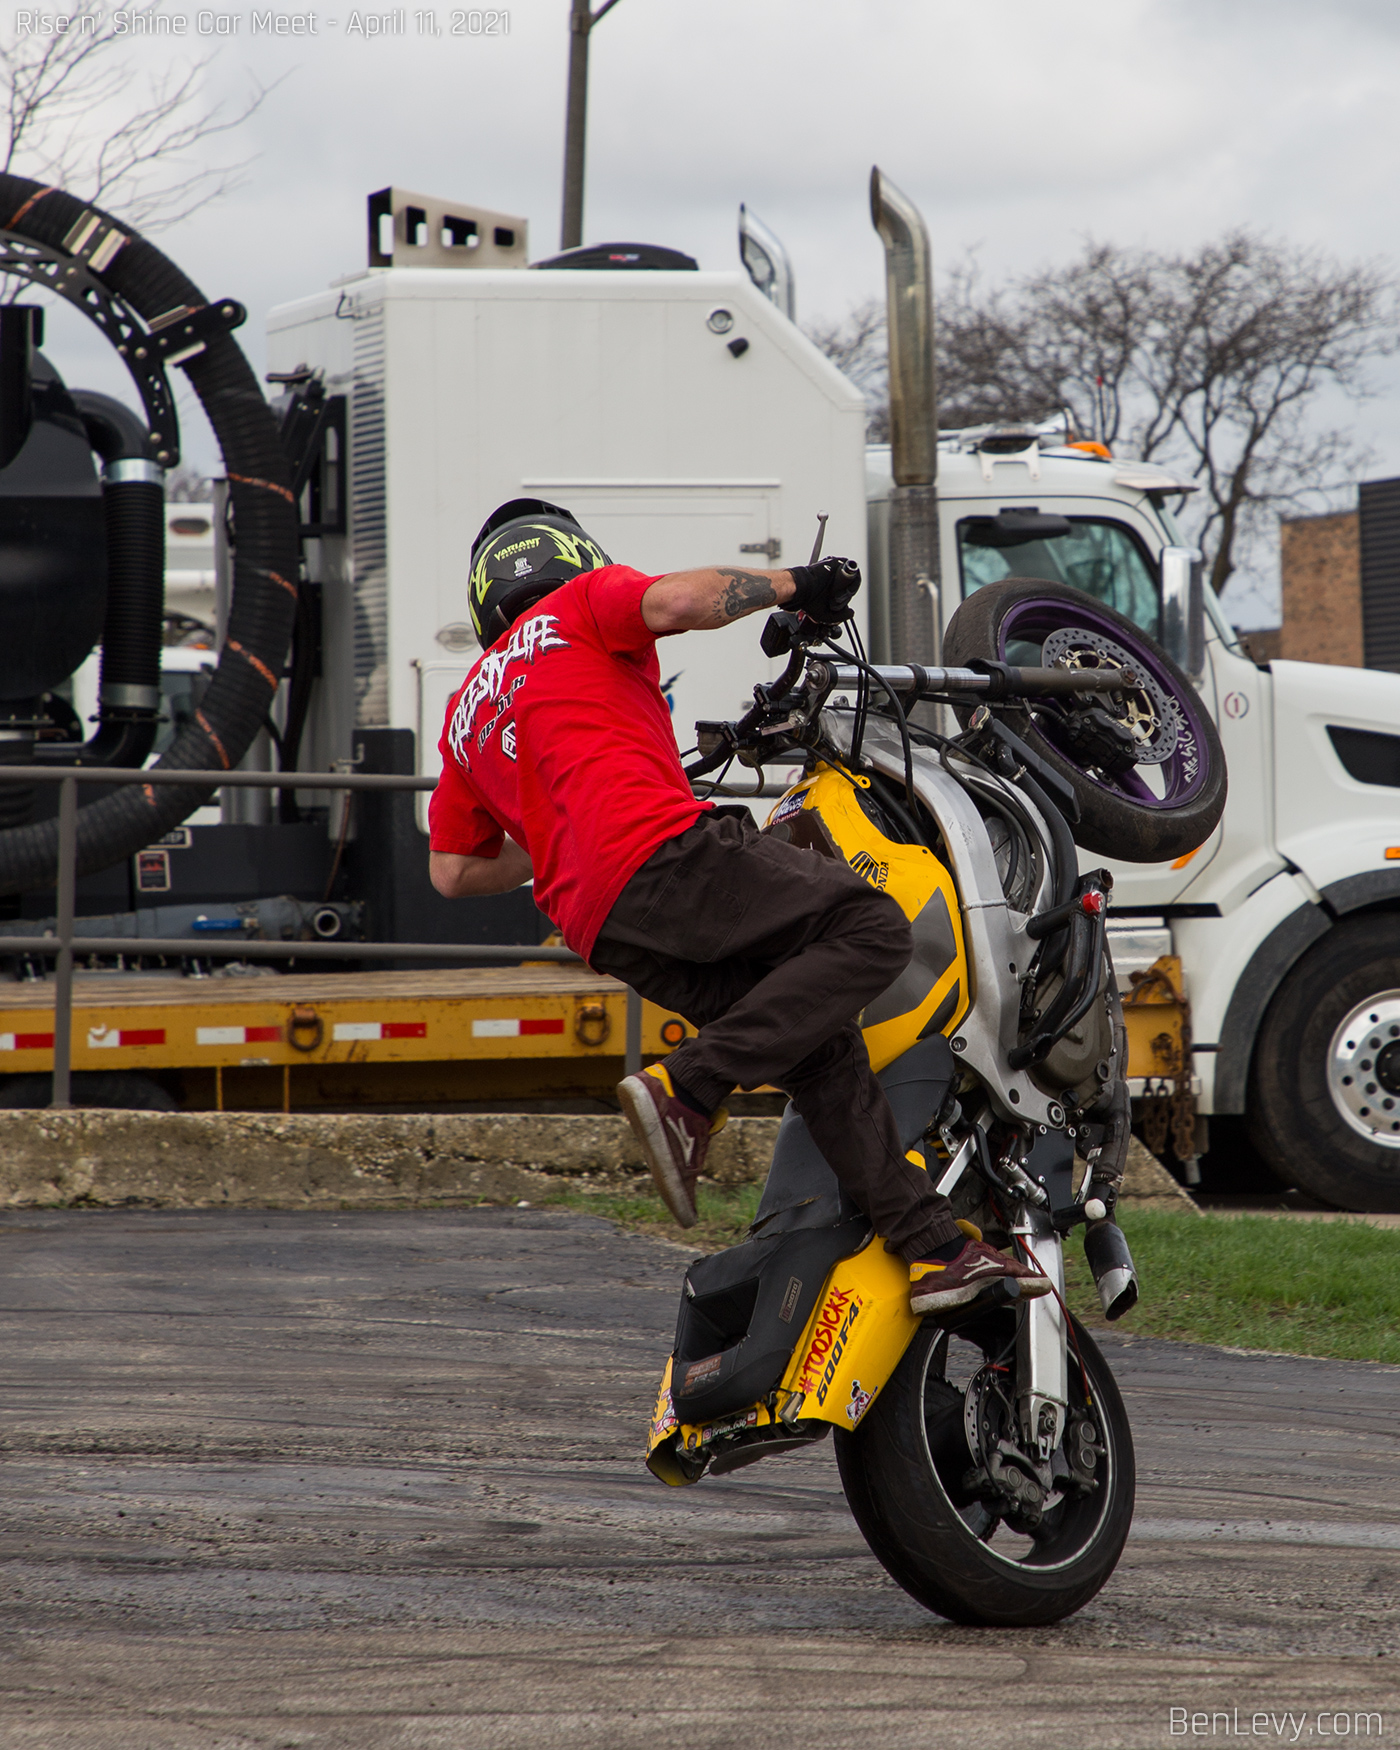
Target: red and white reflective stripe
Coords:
[(110, 1038), (516, 1027), (26, 1041), (237, 1035), (348, 1030)]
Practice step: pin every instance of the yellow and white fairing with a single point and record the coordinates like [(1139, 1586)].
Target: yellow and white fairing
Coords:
[(931, 995), (855, 1338), (861, 1323), (660, 1445)]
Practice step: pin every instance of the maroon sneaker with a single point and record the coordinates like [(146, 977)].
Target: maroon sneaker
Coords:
[(674, 1139), (940, 1284)]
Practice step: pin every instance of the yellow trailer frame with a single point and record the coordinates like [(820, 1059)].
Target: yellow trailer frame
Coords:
[(329, 1038), (307, 1040)]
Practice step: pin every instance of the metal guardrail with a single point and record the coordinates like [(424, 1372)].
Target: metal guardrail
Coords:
[(61, 943)]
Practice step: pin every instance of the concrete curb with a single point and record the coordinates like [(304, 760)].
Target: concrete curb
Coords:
[(234, 1159), (253, 1160), (1148, 1185)]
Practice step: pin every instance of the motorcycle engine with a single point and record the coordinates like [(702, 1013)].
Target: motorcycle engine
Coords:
[(1072, 1066)]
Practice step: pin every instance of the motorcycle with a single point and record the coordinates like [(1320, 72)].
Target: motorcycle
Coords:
[(985, 1453)]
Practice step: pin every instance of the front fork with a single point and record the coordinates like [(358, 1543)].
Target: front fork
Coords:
[(1042, 1361)]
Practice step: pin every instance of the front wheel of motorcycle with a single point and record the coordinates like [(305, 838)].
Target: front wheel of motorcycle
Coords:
[(1164, 793), (961, 1550)]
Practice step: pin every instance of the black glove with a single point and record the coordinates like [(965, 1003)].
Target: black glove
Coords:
[(824, 590)]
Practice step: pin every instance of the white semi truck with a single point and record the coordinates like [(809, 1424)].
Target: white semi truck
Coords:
[(684, 418)]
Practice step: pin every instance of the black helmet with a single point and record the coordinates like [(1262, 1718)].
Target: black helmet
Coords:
[(525, 549)]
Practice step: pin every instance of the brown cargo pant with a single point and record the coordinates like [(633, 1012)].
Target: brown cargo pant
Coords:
[(772, 951)]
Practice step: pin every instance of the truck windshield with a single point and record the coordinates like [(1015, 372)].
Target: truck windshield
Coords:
[(1104, 559)]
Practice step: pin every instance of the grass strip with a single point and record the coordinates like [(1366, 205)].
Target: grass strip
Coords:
[(1327, 1288), (724, 1215)]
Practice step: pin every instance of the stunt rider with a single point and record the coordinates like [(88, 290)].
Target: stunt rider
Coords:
[(559, 761)]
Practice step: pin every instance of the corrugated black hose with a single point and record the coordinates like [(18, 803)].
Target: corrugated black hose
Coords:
[(133, 505), (265, 556)]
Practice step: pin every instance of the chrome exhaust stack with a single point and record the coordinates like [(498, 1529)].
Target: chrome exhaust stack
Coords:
[(915, 613)]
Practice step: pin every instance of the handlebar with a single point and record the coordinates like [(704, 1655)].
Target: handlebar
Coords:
[(1002, 682), (992, 680)]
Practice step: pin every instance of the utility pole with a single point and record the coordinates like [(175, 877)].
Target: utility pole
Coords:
[(581, 22)]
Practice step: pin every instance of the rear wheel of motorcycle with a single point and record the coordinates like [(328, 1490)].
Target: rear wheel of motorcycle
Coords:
[(903, 1470), (1171, 801)]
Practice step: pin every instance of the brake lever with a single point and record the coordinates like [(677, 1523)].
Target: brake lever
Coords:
[(732, 736)]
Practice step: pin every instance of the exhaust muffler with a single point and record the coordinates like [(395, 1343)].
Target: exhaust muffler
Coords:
[(1115, 1277)]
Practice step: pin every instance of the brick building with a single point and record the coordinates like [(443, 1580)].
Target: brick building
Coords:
[(1341, 585), (1320, 559)]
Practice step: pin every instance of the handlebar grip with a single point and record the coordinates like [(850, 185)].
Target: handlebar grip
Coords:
[(709, 762), (1059, 683)]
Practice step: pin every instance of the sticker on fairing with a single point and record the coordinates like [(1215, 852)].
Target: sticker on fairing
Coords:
[(789, 806), (860, 1401), (702, 1372), (730, 1425), (663, 1417)]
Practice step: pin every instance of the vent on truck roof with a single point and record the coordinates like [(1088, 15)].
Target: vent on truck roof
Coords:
[(623, 255), (418, 230)]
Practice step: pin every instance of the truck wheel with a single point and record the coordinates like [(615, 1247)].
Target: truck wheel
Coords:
[(1324, 1095), (1168, 802)]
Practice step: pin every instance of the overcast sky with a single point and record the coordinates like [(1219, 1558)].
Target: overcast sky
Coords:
[(1018, 127)]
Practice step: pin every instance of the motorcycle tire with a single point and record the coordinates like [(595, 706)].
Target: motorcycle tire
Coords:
[(1123, 817), (902, 1469), (1324, 1091)]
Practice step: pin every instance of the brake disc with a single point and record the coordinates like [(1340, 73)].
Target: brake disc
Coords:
[(1143, 708), (1001, 1471)]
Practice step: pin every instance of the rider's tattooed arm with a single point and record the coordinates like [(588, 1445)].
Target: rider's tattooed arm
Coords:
[(745, 591), (688, 601)]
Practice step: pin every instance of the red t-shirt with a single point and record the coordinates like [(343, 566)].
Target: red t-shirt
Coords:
[(560, 736)]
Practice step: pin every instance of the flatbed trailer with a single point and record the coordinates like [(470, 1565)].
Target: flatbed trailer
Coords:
[(308, 1041), (330, 1041)]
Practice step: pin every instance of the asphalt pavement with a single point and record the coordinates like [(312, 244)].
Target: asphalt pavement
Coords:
[(285, 1479)]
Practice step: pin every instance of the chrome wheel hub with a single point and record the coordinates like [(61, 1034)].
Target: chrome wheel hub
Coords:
[(1363, 1069)]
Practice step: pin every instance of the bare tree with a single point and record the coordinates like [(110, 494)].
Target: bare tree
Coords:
[(184, 485), (75, 113), (1063, 338), (858, 346), (1214, 361)]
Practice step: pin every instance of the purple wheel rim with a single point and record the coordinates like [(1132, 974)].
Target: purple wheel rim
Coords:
[(1184, 771)]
